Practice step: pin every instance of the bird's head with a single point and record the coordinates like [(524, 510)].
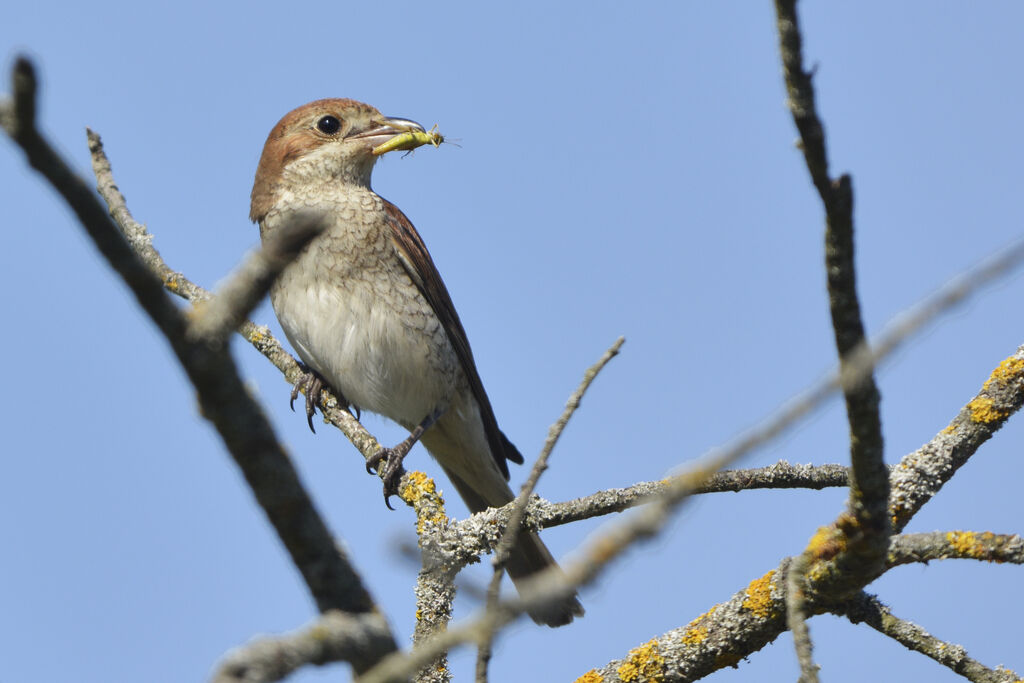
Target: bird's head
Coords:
[(320, 144)]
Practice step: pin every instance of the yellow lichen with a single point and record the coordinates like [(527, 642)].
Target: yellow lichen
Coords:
[(421, 493), (590, 677), (983, 410), (643, 663), (949, 429), (695, 635), (1005, 372), (696, 632), (419, 485), (759, 596), (970, 544)]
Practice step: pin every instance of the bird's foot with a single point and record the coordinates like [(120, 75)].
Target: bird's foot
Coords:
[(387, 464), (312, 385)]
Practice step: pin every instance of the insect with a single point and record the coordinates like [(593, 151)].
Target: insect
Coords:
[(410, 140)]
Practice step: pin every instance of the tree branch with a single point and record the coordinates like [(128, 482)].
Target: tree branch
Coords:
[(867, 609), (222, 397), (866, 523), (216, 318), (781, 475), (963, 545), (921, 474)]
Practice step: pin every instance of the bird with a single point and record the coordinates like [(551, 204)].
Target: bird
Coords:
[(366, 310)]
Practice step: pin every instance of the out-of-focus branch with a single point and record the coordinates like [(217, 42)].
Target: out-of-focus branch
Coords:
[(223, 399), (962, 545), (213, 320), (334, 637), (867, 609)]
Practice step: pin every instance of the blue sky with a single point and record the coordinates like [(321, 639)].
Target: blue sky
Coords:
[(622, 170)]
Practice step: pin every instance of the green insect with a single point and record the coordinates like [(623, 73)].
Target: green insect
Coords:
[(410, 140)]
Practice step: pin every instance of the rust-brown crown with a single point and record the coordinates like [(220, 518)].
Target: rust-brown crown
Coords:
[(306, 129)]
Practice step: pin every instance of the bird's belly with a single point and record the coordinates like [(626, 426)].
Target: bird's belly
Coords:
[(381, 347)]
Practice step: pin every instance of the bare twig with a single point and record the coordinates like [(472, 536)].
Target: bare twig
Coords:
[(796, 618), (239, 420), (866, 524), (867, 609), (519, 505), (334, 637), (781, 475)]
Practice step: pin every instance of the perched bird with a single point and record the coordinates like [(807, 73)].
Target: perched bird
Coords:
[(369, 315)]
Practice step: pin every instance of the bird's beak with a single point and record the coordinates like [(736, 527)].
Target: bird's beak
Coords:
[(396, 133)]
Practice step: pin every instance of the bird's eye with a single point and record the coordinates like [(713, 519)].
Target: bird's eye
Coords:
[(329, 125)]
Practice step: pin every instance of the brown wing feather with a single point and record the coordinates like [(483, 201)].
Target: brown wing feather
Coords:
[(424, 273)]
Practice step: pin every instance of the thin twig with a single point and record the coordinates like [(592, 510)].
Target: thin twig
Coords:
[(866, 525), (781, 475), (796, 618), (520, 504), (869, 610)]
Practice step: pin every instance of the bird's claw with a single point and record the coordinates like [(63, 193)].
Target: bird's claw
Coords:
[(312, 385), (387, 464)]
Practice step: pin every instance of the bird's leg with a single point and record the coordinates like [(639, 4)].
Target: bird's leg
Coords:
[(392, 457), (312, 384)]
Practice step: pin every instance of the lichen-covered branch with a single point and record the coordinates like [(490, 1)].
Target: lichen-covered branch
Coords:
[(961, 545), (719, 638), (921, 475), (435, 583), (781, 475), (867, 609)]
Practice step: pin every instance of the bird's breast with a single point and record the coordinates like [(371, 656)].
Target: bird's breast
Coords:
[(354, 315)]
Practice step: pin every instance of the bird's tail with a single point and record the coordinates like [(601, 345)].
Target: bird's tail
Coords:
[(528, 557)]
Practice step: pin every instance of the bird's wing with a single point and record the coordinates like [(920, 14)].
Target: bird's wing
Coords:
[(421, 269)]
